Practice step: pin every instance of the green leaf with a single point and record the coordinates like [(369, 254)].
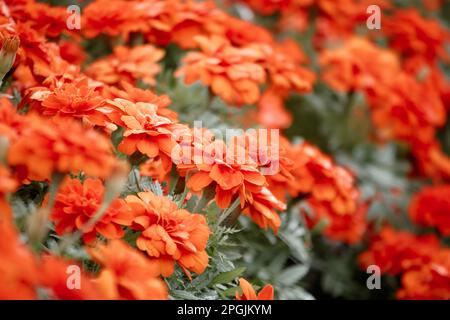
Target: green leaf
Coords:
[(229, 276)]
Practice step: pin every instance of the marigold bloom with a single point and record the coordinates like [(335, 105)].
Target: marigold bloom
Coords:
[(77, 99), (431, 207), (47, 146), (221, 168), (348, 228), (77, 202), (128, 64), (145, 131), (136, 95), (429, 282), (126, 273), (396, 251), (54, 273), (169, 235), (413, 35), (232, 73), (18, 268), (261, 208), (248, 293)]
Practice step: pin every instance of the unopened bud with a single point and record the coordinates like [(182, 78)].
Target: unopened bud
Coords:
[(8, 54)]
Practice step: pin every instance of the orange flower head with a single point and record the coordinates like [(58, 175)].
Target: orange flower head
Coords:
[(128, 64), (145, 131), (19, 276), (77, 202), (46, 146), (430, 207), (248, 293), (126, 273), (169, 235), (232, 73)]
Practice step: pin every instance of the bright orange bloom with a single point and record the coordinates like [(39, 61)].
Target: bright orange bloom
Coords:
[(429, 282), (135, 95), (7, 185), (77, 99), (114, 17), (397, 251), (424, 265), (261, 208), (72, 51), (348, 228), (248, 293), (358, 65), (271, 110), (126, 273), (45, 147), (128, 64), (10, 121), (431, 207), (54, 274), (230, 179), (76, 203), (232, 73), (145, 131), (18, 269), (169, 235), (413, 35)]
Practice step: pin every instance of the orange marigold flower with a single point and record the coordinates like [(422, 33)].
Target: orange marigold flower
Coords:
[(133, 94), (413, 35), (169, 235), (53, 275), (72, 52), (18, 269), (77, 99), (260, 207), (46, 146), (248, 293), (77, 202), (428, 282), (271, 110), (230, 178), (126, 273), (348, 228), (114, 17), (431, 206), (145, 131), (128, 64), (7, 185), (232, 73), (397, 251)]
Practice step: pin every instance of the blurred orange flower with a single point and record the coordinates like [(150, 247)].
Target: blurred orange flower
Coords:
[(126, 273), (128, 64), (431, 206), (45, 146)]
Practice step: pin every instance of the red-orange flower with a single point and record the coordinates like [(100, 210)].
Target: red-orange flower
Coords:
[(413, 35), (145, 131), (45, 147), (18, 268), (128, 64), (248, 293), (77, 202), (169, 235), (77, 99), (396, 251), (431, 207), (232, 73), (126, 273)]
